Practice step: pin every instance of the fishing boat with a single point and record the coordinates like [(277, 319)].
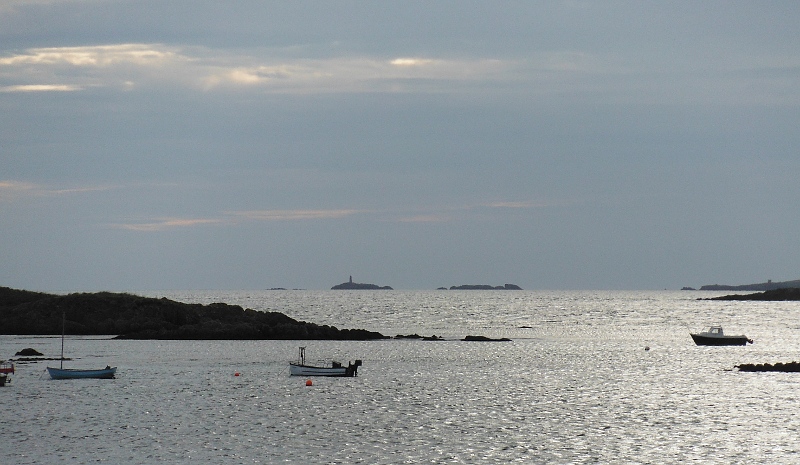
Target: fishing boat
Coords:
[(300, 368), (77, 373), (6, 368), (716, 337)]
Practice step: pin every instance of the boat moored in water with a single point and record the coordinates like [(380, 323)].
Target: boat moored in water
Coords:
[(300, 368), (716, 337), (77, 373), (67, 373), (6, 368)]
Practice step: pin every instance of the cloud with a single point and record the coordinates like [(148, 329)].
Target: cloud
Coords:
[(429, 218), (410, 62), (41, 88), (98, 56), (289, 215), (82, 68), (522, 204), (165, 224), (128, 66), (12, 190)]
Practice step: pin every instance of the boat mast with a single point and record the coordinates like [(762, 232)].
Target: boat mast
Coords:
[(63, 319)]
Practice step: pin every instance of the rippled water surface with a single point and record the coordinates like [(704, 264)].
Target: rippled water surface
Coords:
[(575, 385)]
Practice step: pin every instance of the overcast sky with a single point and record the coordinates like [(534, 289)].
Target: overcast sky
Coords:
[(148, 145)]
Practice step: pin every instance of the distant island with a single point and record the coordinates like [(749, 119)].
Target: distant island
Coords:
[(767, 286), (350, 285), (773, 295), (486, 287), (133, 317)]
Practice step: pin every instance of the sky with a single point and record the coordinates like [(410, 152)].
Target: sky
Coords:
[(176, 145)]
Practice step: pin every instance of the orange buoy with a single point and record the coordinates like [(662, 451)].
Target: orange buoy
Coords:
[(309, 383), (236, 374)]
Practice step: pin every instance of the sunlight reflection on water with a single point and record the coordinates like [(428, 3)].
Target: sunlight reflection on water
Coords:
[(574, 386)]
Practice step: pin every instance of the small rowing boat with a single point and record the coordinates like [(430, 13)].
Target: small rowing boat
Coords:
[(76, 373)]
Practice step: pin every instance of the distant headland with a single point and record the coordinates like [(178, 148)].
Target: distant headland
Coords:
[(784, 293), (485, 287), (767, 286), (133, 317), (350, 285)]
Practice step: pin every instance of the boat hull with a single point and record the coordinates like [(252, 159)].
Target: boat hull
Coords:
[(306, 370), (60, 373), (701, 340)]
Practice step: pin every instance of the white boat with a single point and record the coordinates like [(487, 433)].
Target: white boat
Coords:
[(716, 337), (300, 368), (76, 373)]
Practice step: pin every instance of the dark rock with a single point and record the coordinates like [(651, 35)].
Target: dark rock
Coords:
[(485, 339), (774, 295), (767, 286), (28, 353), (687, 288), (791, 367), (135, 317), (360, 286), (486, 287), (350, 285)]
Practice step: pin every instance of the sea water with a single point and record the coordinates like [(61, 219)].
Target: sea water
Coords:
[(589, 377)]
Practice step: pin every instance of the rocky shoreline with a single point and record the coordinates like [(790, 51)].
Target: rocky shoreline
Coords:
[(782, 294), (128, 316), (133, 317), (791, 367)]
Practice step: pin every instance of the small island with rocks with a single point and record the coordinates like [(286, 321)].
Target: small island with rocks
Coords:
[(350, 285), (485, 287)]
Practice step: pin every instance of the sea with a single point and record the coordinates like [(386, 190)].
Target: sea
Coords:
[(588, 377)]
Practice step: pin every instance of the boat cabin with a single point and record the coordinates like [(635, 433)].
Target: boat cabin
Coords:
[(715, 331)]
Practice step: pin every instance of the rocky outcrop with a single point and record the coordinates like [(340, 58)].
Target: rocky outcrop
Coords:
[(767, 286), (791, 367), (350, 285), (486, 287), (774, 295), (360, 286), (28, 353), (134, 317), (486, 339)]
